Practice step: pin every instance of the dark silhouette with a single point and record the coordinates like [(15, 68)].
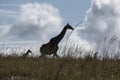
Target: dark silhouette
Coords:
[(52, 46), (26, 54), (95, 55)]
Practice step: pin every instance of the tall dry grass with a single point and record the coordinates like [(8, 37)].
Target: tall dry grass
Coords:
[(66, 68)]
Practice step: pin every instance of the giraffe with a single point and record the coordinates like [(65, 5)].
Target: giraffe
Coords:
[(28, 51), (52, 46)]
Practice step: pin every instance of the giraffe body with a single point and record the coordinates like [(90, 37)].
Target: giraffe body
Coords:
[(48, 49)]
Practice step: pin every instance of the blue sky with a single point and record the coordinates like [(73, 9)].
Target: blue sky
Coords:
[(72, 11)]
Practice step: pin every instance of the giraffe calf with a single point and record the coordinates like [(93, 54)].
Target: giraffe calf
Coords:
[(26, 54)]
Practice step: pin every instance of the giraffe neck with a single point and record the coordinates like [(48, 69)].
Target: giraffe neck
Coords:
[(59, 37)]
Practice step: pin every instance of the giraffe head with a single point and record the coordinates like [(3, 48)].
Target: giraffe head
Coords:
[(29, 51), (68, 26)]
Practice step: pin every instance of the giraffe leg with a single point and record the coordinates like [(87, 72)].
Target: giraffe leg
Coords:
[(55, 55), (42, 55)]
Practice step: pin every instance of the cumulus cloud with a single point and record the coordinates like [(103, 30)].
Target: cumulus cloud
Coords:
[(36, 21), (102, 20)]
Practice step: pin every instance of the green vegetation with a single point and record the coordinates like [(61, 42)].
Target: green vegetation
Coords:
[(67, 68)]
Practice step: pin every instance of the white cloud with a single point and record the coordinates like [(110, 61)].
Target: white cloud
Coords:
[(102, 19), (36, 21)]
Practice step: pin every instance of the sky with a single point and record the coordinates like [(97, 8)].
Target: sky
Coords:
[(71, 11), (29, 21)]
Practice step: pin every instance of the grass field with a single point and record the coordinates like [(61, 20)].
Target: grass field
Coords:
[(67, 68)]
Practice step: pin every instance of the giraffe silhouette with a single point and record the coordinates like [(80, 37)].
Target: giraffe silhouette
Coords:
[(28, 51), (52, 46)]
